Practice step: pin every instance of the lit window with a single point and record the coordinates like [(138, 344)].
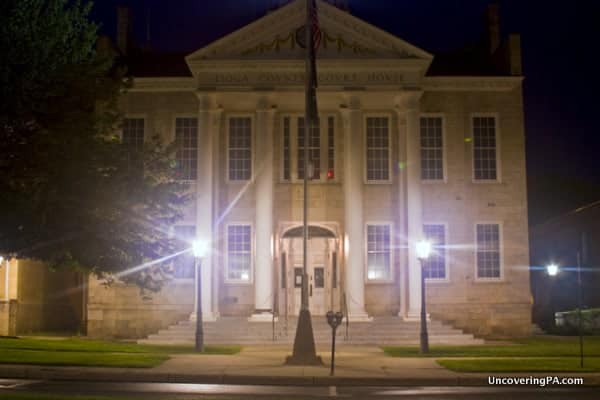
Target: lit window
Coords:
[(432, 149), (379, 254), (184, 263), (240, 149), (186, 138), (378, 149), (484, 148), (488, 251), (435, 265), (239, 252)]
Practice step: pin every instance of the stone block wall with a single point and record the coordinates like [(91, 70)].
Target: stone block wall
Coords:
[(121, 311)]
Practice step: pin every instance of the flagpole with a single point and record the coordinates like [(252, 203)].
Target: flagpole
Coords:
[(305, 352)]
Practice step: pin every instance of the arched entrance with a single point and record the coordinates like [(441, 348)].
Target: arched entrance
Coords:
[(322, 265)]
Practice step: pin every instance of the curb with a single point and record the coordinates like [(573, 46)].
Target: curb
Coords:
[(59, 374)]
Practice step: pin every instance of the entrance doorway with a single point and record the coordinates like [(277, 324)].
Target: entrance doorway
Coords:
[(322, 270)]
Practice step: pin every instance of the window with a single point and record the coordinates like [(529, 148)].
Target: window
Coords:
[(435, 266), (240, 149), (239, 253), (432, 149), (184, 263), (379, 255), (293, 148), (378, 149), (286, 148), (330, 148), (488, 251), (133, 134), (314, 150), (186, 138), (484, 148)]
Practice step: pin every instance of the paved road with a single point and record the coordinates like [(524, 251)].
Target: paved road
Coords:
[(164, 391)]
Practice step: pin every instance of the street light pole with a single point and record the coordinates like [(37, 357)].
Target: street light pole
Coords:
[(199, 249), (423, 251), (579, 305)]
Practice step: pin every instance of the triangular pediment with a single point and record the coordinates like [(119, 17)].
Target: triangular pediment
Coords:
[(273, 37)]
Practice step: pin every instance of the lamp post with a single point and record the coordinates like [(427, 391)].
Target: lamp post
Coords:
[(199, 249), (423, 248), (553, 270)]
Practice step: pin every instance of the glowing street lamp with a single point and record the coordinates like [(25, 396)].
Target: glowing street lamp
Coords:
[(552, 269), (423, 249), (199, 249)]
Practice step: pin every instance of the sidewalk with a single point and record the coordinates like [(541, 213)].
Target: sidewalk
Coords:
[(355, 365)]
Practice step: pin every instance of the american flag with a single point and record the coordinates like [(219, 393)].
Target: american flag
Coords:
[(314, 20)]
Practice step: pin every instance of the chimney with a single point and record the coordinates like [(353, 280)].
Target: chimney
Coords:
[(123, 28), (514, 54), (493, 27)]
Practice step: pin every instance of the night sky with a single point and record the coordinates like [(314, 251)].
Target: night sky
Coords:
[(559, 43)]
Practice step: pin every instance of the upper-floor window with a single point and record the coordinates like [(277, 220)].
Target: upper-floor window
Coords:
[(435, 265), (432, 149), (378, 149), (239, 253), (133, 134), (240, 148), (287, 131), (488, 251), (485, 150), (186, 138), (314, 150), (184, 263), (379, 252), (321, 162)]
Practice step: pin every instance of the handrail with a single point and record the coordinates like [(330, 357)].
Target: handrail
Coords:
[(345, 311)]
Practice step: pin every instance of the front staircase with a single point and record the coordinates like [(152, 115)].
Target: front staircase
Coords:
[(379, 331)]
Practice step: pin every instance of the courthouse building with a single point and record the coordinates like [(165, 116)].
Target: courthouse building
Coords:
[(411, 145)]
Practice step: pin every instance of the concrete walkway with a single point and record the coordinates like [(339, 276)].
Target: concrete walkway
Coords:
[(355, 365)]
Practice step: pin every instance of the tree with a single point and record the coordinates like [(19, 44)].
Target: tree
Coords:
[(71, 193)]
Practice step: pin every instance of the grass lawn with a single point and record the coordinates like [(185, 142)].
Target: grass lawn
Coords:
[(93, 353), (531, 347), (561, 364)]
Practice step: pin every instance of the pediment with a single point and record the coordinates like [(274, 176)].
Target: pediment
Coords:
[(273, 37)]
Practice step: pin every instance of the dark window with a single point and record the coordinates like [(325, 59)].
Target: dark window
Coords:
[(186, 137), (334, 269), (133, 134), (488, 251), (314, 149), (378, 149), (283, 271), (319, 277), (432, 149), (484, 148), (379, 253), (286, 148), (331, 145), (240, 149)]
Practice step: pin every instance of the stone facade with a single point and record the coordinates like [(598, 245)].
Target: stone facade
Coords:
[(375, 75)]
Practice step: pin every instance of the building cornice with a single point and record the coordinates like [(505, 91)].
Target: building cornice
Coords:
[(163, 84), (471, 83)]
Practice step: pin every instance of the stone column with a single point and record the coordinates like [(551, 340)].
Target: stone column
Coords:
[(264, 290), (408, 110), (354, 238), (209, 122)]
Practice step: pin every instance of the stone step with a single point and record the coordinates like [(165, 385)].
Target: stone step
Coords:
[(381, 330)]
